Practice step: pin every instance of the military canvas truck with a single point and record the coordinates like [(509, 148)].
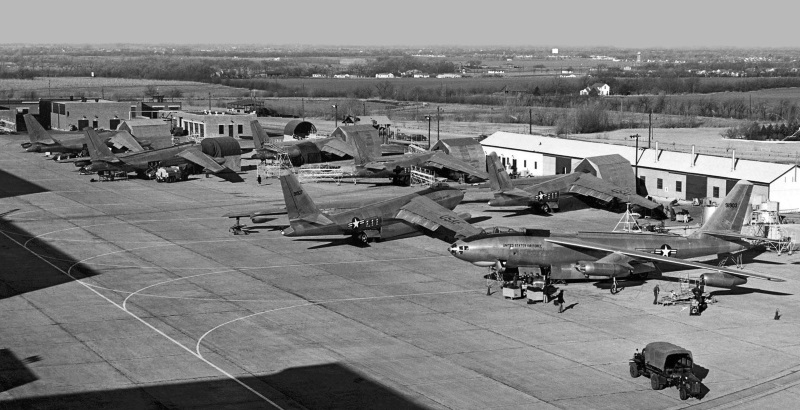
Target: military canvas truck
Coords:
[(666, 365)]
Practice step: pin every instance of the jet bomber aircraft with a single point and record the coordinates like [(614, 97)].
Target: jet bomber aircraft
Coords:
[(614, 185), (389, 218), (620, 254)]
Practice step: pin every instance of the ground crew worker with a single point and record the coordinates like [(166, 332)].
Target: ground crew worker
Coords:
[(259, 180), (560, 301), (656, 289)]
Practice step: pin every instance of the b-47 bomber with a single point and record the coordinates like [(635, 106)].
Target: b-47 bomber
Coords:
[(607, 181), (389, 218), (620, 254), (74, 142)]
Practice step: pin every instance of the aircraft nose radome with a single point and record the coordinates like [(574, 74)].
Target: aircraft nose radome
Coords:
[(454, 249)]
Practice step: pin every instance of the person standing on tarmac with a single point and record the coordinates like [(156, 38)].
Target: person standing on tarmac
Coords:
[(560, 301), (656, 289)]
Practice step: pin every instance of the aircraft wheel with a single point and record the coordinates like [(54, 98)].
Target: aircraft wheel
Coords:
[(546, 209), (634, 370), (654, 383), (363, 237), (684, 394)]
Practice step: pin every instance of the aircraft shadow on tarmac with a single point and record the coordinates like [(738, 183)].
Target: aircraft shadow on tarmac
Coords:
[(15, 372), (334, 242), (12, 185), (23, 272), (333, 386)]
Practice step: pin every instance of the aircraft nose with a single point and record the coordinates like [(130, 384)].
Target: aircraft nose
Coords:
[(454, 249)]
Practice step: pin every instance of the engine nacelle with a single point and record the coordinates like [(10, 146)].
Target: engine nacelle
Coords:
[(722, 280), (260, 219), (610, 270)]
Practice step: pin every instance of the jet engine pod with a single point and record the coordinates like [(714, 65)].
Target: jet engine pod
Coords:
[(722, 280), (260, 219), (611, 270)]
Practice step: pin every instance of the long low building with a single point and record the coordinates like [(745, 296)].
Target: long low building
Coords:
[(681, 175)]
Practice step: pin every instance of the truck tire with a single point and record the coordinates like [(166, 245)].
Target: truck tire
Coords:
[(684, 394), (655, 384), (634, 370)]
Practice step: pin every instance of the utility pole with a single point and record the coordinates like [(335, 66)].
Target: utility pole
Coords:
[(209, 102), (437, 123), (530, 121), (303, 107), (636, 167), (335, 116), (428, 117), (650, 130), (365, 106)]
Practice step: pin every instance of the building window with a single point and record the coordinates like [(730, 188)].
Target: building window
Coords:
[(535, 165), (715, 192), (524, 163), (678, 186), (241, 128), (221, 129), (659, 183)]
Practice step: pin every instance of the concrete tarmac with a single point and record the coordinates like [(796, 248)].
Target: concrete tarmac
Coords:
[(133, 294)]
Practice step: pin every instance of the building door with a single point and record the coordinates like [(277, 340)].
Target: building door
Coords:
[(729, 184), (563, 165), (95, 125), (696, 187), (230, 130), (82, 124), (113, 123)]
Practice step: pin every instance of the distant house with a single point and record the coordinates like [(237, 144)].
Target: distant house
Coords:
[(341, 76), (317, 75), (384, 75), (421, 75), (600, 88), (448, 75), (496, 72)]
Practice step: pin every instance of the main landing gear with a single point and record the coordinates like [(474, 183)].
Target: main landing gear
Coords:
[(614, 288), (238, 228)]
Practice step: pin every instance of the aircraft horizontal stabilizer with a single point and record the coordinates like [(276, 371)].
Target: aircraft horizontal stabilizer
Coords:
[(577, 243)]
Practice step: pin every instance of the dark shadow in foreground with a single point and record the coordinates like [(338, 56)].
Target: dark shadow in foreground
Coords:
[(328, 386)]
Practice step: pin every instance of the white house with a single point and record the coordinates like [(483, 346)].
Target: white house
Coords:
[(601, 88), (384, 75), (448, 75), (318, 75)]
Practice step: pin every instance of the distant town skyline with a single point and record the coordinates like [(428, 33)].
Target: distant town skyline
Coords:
[(617, 23)]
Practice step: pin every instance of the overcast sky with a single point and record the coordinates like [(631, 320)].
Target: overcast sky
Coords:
[(553, 23)]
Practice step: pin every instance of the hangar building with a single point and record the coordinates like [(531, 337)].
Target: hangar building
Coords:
[(467, 149), (670, 174)]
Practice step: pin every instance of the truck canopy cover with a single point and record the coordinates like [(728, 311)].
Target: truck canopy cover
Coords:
[(656, 353)]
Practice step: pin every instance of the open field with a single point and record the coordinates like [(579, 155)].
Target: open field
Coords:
[(132, 294), (111, 88)]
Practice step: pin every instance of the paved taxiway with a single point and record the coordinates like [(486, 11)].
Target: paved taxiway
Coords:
[(132, 294)]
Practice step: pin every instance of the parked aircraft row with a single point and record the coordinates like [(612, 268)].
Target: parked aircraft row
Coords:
[(431, 210)]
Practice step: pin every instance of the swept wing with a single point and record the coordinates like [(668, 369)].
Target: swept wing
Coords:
[(644, 256), (591, 186), (195, 155), (425, 212), (125, 139)]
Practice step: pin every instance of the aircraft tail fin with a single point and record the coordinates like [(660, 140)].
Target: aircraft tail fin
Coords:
[(361, 152), (732, 210), (259, 136), (98, 151), (298, 203), (36, 132), (498, 177)]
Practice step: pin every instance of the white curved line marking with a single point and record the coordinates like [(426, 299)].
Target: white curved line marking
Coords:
[(200, 340)]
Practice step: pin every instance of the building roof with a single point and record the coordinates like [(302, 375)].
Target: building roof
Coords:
[(678, 162), (139, 122)]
